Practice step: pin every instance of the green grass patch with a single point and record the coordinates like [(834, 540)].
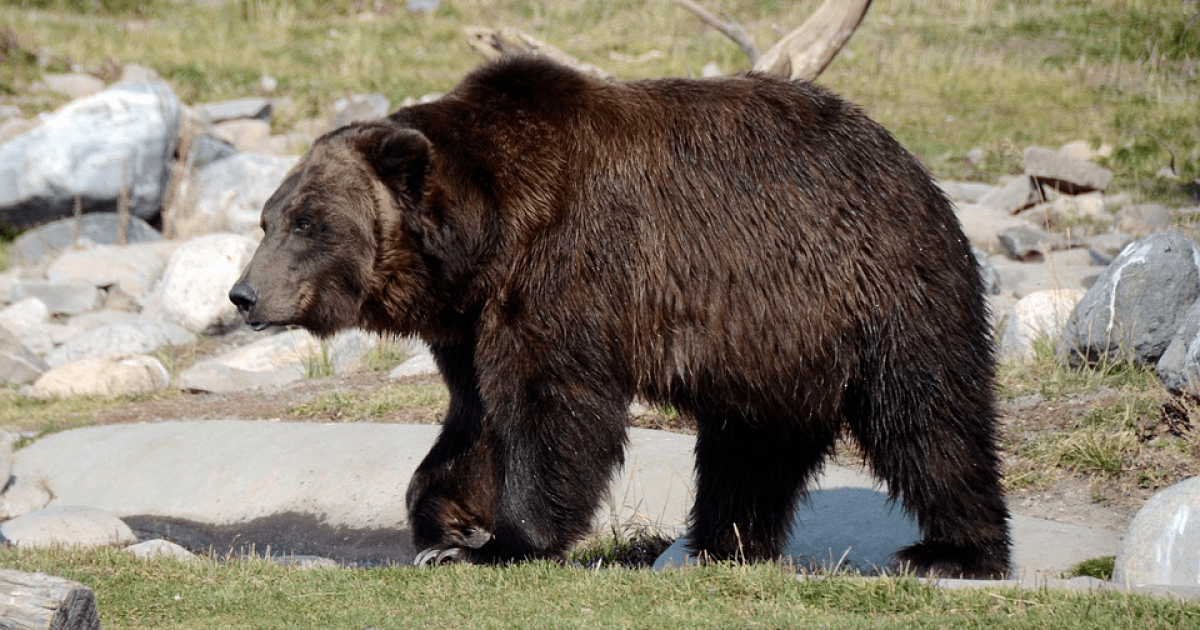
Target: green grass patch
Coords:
[(351, 406), (43, 416), (1099, 568), (252, 593), (1050, 375)]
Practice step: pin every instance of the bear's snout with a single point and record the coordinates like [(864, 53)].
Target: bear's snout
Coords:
[(244, 297)]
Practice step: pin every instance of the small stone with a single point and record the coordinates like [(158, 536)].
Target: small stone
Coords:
[(67, 526)]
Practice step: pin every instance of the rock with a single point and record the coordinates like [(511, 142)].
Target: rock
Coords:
[(94, 149), (23, 495), (1066, 269), (26, 320), (1016, 195), (67, 526), (1039, 315), (249, 108), (48, 241), (194, 289), (159, 548), (277, 360), (1143, 219), (1063, 172), (206, 149), (1133, 309), (415, 365), (74, 84), (1107, 245), (137, 72), (982, 223), (139, 336), (61, 298), (230, 194), (18, 365), (1162, 544), (360, 107), (103, 376), (1027, 244), (991, 277), (132, 269), (1179, 366), (966, 192), (1091, 205), (6, 460), (243, 134), (1079, 150)]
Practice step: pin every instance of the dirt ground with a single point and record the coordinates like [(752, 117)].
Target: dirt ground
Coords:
[(1077, 498)]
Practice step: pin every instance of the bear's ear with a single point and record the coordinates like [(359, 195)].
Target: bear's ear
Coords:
[(401, 157)]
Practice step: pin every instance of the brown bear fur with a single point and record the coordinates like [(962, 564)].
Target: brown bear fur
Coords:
[(756, 253)]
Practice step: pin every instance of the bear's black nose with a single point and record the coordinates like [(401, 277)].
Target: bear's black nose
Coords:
[(244, 297)]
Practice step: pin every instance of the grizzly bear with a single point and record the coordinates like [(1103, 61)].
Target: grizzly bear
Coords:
[(754, 252)]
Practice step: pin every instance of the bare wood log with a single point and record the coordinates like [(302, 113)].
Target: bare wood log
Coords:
[(493, 44), (806, 51), (35, 601), (731, 29)]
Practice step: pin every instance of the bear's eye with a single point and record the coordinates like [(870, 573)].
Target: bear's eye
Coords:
[(301, 225)]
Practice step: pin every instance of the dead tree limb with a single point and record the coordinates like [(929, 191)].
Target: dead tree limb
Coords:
[(493, 44), (732, 30), (806, 51), (36, 600)]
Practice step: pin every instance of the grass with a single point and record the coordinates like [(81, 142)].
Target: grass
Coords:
[(252, 593), (352, 406), (945, 77)]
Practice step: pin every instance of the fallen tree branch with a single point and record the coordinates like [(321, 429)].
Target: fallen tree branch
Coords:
[(36, 600), (732, 30), (496, 43)]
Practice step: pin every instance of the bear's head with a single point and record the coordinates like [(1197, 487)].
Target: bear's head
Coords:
[(337, 249)]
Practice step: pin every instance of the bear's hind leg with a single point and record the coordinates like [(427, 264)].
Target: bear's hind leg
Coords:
[(750, 473), (937, 452)]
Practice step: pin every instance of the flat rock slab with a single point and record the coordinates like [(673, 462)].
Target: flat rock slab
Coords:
[(337, 490)]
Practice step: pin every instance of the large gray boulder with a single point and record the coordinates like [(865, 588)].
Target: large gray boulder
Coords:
[(140, 336), (101, 228), (95, 149), (1179, 367), (228, 195), (1162, 544), (1134, 308)]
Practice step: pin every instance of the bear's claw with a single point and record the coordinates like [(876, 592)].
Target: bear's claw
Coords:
[(435, 556)]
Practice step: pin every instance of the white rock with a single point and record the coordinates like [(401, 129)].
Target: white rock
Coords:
[(61, 298), (26, 320), (159, 548), (229, 194), (132, 268), (94, 148), (194, 290), (1162, 544), (25, 494), (67, 526), (18, 364), (102, 376), (139, 336), (6, 459), (1041, 314), (276, 360)]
